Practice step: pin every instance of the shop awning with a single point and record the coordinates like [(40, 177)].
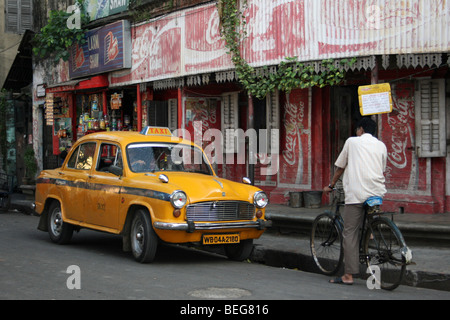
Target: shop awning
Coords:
[(62, 87), (20, 74), (96, 82)]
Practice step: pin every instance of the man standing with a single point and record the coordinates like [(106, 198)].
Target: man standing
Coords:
[(363, 162)]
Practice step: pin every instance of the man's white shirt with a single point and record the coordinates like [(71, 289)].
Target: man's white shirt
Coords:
[(364, 161)]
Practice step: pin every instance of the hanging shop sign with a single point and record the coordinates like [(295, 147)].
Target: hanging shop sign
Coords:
[(103, 8), (107, 49), (375, 99), (49, 109), (40, 90), (116, 101)]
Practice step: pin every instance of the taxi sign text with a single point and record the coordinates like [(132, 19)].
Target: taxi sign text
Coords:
[(157, 131)]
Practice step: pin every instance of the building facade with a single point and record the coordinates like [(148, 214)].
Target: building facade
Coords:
[(178, 74), (15, 97)]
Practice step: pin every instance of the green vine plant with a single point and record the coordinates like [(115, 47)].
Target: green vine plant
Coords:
[(55, 38), (290, 73)]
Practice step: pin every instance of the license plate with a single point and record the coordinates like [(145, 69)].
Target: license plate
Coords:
[(221, 238)]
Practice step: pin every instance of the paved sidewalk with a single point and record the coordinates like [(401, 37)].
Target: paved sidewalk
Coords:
[(286, 244)]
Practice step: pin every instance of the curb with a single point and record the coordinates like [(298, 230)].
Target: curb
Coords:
[(411, 230), (291, 260), (301, 223)]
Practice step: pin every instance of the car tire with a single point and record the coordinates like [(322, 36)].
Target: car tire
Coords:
[(143, 238), (240, 251), (59, 231)]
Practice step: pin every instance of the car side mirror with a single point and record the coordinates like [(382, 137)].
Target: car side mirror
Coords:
[(118, 171)]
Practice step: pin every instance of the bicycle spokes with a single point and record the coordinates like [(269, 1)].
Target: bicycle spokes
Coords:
[(383, 249), (326, 244)]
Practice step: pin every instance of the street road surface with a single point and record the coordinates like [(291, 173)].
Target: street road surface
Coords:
[(93, 266)]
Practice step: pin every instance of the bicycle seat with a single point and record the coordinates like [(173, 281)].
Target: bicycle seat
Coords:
[(373, 204), (374, 201)]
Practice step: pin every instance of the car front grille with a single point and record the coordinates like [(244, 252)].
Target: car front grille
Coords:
[(220, 211)]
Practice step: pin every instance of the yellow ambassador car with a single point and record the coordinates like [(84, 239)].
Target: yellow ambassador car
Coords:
[(148, 187)]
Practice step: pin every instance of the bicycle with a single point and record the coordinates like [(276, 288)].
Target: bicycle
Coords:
[(382, 246)]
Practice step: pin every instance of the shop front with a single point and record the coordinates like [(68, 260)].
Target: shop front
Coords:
[(80, 101), (81, 107), (181, 58)]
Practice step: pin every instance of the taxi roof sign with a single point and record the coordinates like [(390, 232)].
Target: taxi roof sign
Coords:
[(156, 131), (375, 99)]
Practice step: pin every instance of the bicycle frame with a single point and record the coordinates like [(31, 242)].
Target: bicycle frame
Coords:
[(404, 250), (337, 215), (381, 244), (366, 227)]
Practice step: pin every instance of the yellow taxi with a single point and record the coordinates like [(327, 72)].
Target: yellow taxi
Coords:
[(148, 187)]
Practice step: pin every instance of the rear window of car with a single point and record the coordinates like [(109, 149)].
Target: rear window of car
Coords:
[(83, 156)]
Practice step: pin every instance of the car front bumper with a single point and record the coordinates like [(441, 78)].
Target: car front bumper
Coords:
[(191, 226)]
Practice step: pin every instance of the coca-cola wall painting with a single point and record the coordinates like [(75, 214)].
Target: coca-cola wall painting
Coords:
[(295, 142), (408, 177), (189, 42)]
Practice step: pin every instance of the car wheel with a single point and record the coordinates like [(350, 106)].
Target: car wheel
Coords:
[(239, 251), (142, 237), (59, 231)]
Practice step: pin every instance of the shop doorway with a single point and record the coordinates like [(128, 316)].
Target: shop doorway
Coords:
[(158, 113), (344, 116)]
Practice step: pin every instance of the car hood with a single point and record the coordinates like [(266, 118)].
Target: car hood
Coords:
[(200, 187)]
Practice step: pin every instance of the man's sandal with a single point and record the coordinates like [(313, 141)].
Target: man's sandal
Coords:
[(339, 280)]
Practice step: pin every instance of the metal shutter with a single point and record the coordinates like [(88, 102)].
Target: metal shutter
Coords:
[(18, 16), (173, 114), (229, 121), (273, 120), (12, 16), (430, 118)]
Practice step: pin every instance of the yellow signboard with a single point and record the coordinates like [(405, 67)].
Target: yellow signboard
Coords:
[(375, 99), (159, 131)]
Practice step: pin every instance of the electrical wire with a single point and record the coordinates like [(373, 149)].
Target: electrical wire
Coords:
[(420, 72), (10, 47)]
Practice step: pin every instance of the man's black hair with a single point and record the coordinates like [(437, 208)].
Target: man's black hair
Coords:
[(368, 125)]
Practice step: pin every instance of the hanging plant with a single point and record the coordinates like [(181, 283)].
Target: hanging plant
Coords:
[(56, 37), (290, 73)]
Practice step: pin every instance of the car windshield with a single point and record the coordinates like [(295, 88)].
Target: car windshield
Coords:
[(153, 157)]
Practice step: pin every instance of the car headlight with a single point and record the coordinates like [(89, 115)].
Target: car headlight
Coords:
[(260, 199), (178, 199)]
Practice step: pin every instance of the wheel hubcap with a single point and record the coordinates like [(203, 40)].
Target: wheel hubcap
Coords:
[(56, 223), (138, 238)]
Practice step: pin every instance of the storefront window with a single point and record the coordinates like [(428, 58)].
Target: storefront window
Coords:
[(106, 111)]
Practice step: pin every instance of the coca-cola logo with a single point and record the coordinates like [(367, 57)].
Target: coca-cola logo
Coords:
[(111, 47), (399, 122), (293, 124), (213, 35), (402, 168), (79, 57)]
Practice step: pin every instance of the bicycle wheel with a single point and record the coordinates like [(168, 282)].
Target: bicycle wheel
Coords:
[(382, 246), (326, 244)]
